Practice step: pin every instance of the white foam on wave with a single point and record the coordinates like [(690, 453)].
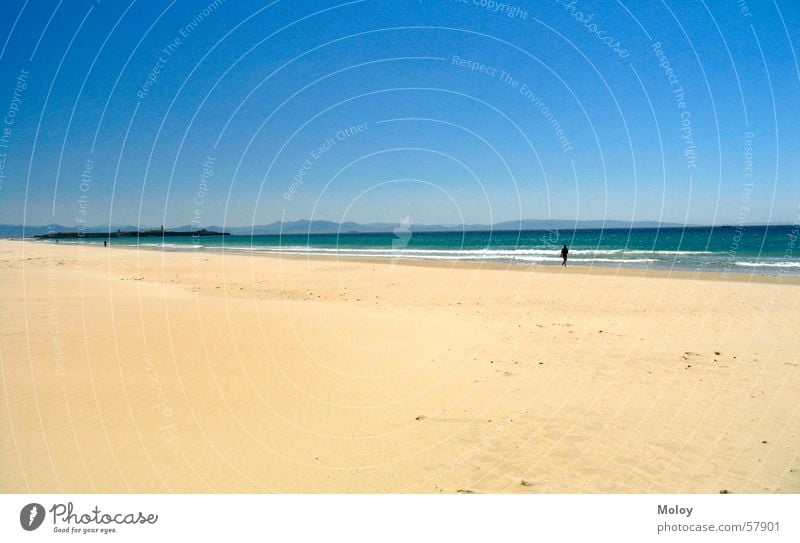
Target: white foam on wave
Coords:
[(432, 254), (679, 253), (623, 260), (476, 253), (768, 264), (163, 245), (591, 260)]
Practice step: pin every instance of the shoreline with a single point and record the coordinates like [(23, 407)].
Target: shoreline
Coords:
[(604, 269)]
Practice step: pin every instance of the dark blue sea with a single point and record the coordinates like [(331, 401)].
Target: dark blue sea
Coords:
[(747, 249)]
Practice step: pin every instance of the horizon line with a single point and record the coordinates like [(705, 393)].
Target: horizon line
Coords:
[(668, 224)]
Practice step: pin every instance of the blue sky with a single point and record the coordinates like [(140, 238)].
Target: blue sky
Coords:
[(443, 111)]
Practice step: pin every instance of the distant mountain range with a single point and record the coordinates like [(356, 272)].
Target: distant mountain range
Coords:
[(330, 227)]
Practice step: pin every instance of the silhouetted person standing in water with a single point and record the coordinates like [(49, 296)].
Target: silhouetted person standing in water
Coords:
[(105, 244), (564, 253)]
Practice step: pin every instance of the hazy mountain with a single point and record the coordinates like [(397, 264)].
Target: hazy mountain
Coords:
[(330, 227), (545, 224)]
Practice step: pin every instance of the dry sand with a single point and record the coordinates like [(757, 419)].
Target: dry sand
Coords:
[(128, 370)]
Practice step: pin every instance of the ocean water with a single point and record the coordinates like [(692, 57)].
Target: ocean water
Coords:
[(769, 250)]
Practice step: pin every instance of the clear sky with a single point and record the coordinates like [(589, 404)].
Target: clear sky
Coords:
[(443, 111)]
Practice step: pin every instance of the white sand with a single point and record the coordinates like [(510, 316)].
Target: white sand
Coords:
[(147, 371)]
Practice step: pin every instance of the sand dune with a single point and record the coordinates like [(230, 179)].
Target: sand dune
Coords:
[(146, 371)]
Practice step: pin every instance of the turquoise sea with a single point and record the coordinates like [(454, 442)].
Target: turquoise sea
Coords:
[(744, 249)]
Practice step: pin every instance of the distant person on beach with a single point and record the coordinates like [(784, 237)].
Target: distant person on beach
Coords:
[(564, 253), (105, 244)]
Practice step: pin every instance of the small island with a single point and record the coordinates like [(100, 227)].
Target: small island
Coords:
[(130, 234)]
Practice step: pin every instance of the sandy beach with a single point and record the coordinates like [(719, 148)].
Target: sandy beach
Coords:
[(128, 370)]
